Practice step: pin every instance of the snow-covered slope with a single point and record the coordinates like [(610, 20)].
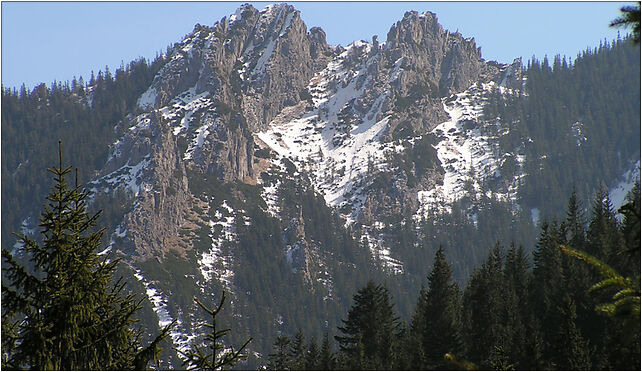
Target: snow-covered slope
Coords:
[(468, 153), (618, 193), (336, 151)]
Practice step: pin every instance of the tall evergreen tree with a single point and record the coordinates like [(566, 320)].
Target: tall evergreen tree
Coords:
[(515, 312), (297, 352), (604, 239), (71, 313), (369, 330), (279, 359), (631, 231), (578, 275), (312, 356), (575, 222), (574, 352), (483, 304), (414, 351), (441, 315), (548, 287), (326, 356)]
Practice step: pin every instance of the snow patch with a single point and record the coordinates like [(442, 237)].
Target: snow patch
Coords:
[(535, 216), (158, 301), (148, 99), (267, 16), (271, 198), (159, 304), (199, 138), (618, 193), (128, 176), (337, 153), (26, 230), (214, 263), (577, 131), (467, 154), (184, 106)]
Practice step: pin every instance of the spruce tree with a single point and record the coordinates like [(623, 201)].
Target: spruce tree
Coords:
[(483, 304), (579, 277), (297, 352), (574, 352), (575, 222), (604, 242), (312, 356), (279, 359), (369, 332), (70, 313), (326, 356), (515, 312), (441, 315), (414, 351), (604, 239), (631, 231)]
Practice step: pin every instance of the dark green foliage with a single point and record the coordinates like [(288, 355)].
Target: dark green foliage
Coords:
[(327, 360), (413, 342), (625, 300), (223, 108), (483, 307), (280, 359), (264, 153), (369, 332), (574, 351), (631, 231), (512, 317), (403, 130), (440, 333), (565, 104), (298, 352), (603, 237), (516, 307), (83, 115), (312, 356), (70, 312), (630, 18), (600, 89)]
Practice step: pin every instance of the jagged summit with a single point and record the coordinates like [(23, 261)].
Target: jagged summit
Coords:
[(261, 80)]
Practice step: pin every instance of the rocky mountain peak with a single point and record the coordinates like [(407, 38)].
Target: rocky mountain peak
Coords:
[(440, 58), (415, 28)]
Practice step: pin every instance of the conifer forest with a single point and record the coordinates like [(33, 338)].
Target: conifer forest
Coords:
[(254, 198)]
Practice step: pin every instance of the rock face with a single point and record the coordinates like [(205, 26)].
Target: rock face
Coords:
[(435, 63), (254, 62), (155, 223), (220, 85), (224, 84), (443, 59)]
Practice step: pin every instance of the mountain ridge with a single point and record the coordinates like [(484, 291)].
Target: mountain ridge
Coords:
[(261, 161)]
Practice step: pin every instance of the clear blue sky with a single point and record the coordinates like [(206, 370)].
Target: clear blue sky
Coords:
[(47, 41)]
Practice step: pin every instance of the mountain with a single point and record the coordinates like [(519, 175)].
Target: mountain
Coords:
[(252, 157)]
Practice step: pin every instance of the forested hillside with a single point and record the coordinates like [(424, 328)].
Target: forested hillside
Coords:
[(82, 114), (516, 312), (575, 115)]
